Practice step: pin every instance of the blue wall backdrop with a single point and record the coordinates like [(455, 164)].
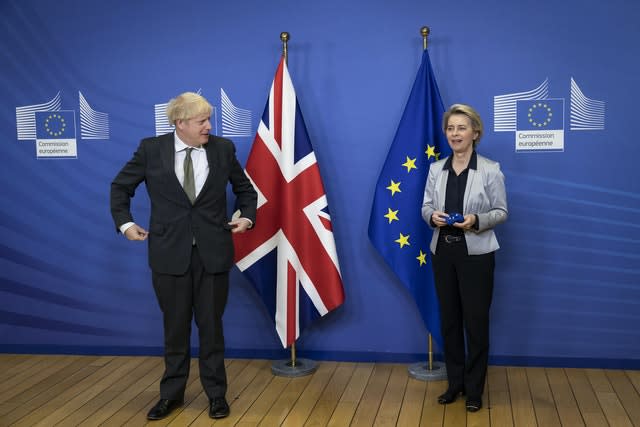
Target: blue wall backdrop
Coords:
[(568, 275)]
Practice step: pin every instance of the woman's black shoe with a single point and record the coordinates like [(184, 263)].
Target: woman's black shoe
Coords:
[(449, 396), (474, 404)]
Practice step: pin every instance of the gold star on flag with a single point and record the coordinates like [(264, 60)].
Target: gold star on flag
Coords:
[(403, 240), (422, 258), (394, 187), (392, 216), (431, 151), (410, 164)]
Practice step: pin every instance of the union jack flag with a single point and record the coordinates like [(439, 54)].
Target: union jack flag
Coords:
[(290, 255)]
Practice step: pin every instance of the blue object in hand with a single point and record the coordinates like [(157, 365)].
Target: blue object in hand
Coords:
[(456, 217)]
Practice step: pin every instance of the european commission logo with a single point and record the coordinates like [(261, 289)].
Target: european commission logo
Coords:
[(540, 125), (56, 134), (54, 129), (539, 121)]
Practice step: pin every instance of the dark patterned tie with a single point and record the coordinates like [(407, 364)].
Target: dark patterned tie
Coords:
[(189, 183)]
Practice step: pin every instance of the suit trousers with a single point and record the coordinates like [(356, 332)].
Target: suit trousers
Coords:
[(464, 284), (202, 295)]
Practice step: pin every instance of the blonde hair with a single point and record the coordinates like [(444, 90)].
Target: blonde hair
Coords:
[(465, 110), (186, 106)]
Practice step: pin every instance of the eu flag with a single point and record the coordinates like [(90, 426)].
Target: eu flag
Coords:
[(396, 227)]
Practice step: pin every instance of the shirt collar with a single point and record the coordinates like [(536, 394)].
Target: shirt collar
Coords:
[(180, 145), (473, 162)]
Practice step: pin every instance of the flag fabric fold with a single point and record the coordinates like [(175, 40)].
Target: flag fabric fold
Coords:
[(396, 227), (290, 255)]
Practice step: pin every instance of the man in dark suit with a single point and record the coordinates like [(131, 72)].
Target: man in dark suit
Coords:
[(190, 246)]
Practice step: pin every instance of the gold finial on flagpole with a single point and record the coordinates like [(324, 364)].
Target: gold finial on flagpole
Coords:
[(284, 36), (425, 33)]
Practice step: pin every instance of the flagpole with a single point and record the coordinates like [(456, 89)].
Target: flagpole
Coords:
[(293, 367), (432, 371), (425, 34), (284, 37)]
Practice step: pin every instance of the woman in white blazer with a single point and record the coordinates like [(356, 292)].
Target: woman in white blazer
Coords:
[(464, 199)]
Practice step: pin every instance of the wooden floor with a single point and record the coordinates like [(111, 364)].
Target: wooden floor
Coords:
[(37, 390)]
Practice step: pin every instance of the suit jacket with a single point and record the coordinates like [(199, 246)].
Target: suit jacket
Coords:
[(174, 220), (484, 195)]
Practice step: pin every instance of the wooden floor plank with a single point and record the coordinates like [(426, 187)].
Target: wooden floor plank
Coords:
[(75, 364), (564, 399), (543, 403), (613, 410), (498, 397), (634, 377), (348, 404), (299, 414), (281, 408), (370, 402), (111, 387), (55, 396), (432, 411), (586, 398), (26, 379), (73, 407), (627, 394), (412, 403), (256, 412), (455, 414), (16, 364), (392, 398), (244, 393), (609, 402), (39, 394), (12, 375), (330, 396), (148, 376), (92, 391), (521, 401)]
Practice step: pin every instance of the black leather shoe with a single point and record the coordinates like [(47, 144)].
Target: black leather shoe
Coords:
[(218, 408), (474, 404), (450, 395), (163, 408)]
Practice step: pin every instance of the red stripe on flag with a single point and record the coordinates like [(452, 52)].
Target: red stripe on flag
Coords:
[(326, 223), (277, 104)]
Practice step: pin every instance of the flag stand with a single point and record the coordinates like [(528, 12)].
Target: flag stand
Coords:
[(432, 371), (292, 367)]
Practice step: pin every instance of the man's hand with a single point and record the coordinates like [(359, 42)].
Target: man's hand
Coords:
[(136, 232), (239, 225)]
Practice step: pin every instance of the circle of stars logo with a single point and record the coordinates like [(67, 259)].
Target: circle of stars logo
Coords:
[(540, 114), (55, 125)]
